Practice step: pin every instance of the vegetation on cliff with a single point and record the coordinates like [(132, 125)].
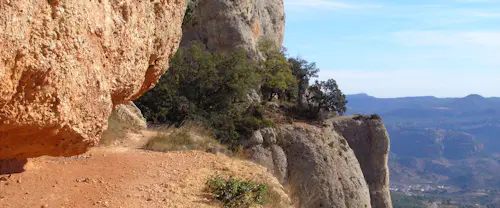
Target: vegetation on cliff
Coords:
[(215, 89)]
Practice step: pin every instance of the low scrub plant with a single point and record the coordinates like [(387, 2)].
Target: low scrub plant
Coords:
[(235, 192)]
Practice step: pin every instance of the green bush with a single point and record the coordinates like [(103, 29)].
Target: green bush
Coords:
[(212, 88), (205, 87), (276, 73), (402, 201), (376, 117), (235, 192)]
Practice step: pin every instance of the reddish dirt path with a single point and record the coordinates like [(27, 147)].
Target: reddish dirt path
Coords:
[(114, 177)]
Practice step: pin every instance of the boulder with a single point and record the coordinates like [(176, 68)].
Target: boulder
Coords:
[(229, 24), (254, 140), (129, 117), (368, 137), (269, 136), (322, 169), (262, 156), (9, 166), (280, 163), (65, 64)]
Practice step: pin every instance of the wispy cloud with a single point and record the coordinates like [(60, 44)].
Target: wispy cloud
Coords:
[(319, 4), (415, 82), (448, 38), (486, 14), (326, 5)]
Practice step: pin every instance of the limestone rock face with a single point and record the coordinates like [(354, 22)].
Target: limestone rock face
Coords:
[(343, 163), (229, 24), (129, 117), (264, 150), (322, 168), (369, 139), (65, 64)]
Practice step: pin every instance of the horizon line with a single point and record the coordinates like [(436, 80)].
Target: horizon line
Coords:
[(419, 96)]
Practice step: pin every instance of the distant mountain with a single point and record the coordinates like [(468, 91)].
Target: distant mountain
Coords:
[(451, 140)]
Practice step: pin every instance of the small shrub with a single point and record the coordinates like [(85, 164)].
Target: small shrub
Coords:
[(364, 118), (235, 192), (376, 117)]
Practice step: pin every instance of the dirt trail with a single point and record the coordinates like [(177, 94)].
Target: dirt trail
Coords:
[(120, 177)]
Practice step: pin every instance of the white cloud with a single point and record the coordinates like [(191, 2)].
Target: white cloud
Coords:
[(325, 5), (448, 38), (319, 3), (486, 14), (416, 82)]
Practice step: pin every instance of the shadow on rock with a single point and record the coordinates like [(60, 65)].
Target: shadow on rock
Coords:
[(10, 166)]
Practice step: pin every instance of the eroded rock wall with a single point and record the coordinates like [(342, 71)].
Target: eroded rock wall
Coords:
[(370, 141), (229, 24), (65, 64), (322, 168), (315, 162), (333, 165)]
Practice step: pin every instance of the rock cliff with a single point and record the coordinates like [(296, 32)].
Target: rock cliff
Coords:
[(343, 163), (368, 137), (229, 24), (65, 64), (316, 162)]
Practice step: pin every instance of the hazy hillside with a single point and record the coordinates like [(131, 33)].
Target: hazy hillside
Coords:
[(439, 141)]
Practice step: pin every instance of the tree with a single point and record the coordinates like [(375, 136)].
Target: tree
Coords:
[(198, 85), (327, 97), (275, 70), (303, 72)]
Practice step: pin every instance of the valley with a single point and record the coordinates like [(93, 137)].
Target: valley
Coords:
[(446, 148)]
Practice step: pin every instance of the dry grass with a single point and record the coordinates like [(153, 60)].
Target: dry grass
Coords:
[(187, 137)]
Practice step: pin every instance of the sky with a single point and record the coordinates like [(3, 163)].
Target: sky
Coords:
[(398, 48)]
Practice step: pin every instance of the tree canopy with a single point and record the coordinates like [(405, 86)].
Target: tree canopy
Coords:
[(213, 88)]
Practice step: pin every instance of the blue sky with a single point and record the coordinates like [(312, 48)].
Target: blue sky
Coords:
[(395, 48)]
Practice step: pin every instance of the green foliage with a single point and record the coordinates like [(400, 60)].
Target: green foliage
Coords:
[(190, 9), (205, 87), (199, 84), (375, 117), (325, 96), (277, 77), (235, 192), (403, 201), (212, 88), (303, 72)]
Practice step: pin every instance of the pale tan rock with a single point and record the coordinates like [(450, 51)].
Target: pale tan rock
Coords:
[(322, 169), (228, 24), (65, 64), (368, 138), (129, 117)]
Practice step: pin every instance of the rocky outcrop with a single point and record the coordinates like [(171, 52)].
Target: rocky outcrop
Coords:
[(10, 166), (126, 121), (129, 117), (264, 150), (322, 168), (315, 162), (368, 137), (343, 163), (229, 24), (65, 64)]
